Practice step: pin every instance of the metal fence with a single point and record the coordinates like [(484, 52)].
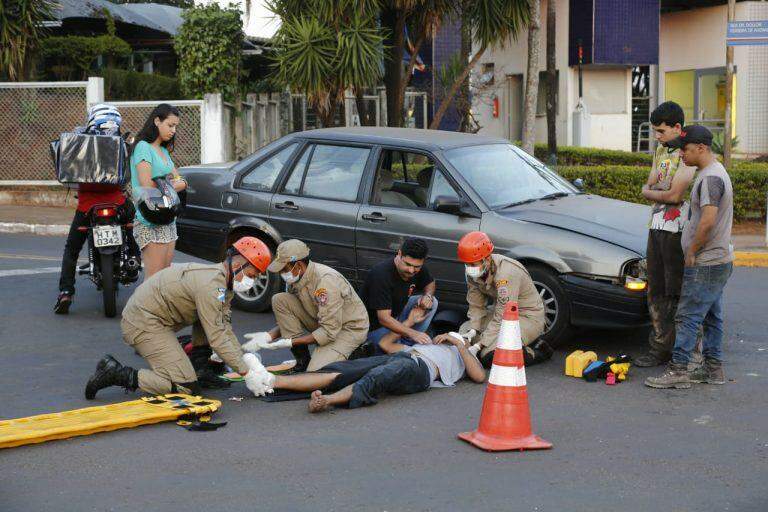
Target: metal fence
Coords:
[(32, 114), (188, 134)]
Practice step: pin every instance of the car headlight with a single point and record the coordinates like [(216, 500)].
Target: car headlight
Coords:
[(636, 275)]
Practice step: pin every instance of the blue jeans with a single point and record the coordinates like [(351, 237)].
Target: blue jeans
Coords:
[(376, 335), (701, 304), (393, 374)]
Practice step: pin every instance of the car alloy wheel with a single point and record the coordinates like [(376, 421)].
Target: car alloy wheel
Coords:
[(551, 309), (259, 289)]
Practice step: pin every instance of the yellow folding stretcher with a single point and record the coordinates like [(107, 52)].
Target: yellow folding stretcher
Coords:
[(82, 422)]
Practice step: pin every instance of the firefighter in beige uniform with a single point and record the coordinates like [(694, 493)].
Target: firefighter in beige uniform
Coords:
[(492, 281), (176, 297), (320, 302)]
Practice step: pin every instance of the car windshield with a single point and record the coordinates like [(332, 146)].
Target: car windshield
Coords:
[(504, 175)]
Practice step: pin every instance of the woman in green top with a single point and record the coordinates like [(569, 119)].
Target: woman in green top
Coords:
[(151, 158)]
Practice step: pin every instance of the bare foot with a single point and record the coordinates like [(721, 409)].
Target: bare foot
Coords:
[(318, 402)]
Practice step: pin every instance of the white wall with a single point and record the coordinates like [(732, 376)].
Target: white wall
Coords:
[(610, 128), (512, 59)]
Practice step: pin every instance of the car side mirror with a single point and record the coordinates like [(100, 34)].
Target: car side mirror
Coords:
[(579, 184), (451, 205)]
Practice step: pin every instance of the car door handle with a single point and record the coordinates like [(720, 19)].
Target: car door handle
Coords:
[(288, 205), (375, 217)]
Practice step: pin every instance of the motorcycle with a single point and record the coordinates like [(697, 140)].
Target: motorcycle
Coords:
[(109, 260)]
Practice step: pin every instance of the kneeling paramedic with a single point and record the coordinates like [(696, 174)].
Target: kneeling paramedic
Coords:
[(320, 308), (176, 297), (492, 281)]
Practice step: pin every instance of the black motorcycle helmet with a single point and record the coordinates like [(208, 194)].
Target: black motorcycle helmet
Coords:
[(160, 205)]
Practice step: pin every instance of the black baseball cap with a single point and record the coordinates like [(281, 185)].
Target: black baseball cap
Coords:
[(693, 134)]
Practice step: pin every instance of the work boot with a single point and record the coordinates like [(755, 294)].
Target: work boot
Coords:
[(650, 359), (676, 377), (62, 303), (711, 372), (109, 372), (301, 354), (367, 349), (537, 352)]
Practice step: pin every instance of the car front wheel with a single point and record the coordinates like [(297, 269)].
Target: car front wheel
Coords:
[(557, 311)]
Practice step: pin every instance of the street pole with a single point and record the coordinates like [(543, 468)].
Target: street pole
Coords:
[(728, 131)]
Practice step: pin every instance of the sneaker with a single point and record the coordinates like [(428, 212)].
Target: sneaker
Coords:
[(648, 360), (676, 377), (63, 303), (711, 372)]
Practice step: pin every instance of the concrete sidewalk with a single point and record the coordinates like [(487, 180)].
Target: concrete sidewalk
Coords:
[(47, 220)]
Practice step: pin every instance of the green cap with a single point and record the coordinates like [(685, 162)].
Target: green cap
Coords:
[(288, 252)]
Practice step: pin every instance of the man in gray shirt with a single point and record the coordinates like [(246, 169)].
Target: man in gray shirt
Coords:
[(706, 244)]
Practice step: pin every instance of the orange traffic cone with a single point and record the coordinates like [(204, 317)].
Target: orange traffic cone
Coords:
[(505, 421)]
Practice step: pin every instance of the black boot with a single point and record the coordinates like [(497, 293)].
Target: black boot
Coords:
[(537, 352), (109, 372), (301, 353)]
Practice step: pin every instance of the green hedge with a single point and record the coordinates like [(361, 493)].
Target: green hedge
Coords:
[(571, 155), (750, 185), (122, 85)]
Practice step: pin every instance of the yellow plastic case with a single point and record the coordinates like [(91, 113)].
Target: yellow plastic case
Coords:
[(103, 418)]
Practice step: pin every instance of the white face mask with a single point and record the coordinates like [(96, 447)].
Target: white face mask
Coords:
[(473, 272), (244, 285), (289, 278)]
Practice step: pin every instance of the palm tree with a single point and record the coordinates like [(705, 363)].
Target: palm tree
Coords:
[(493, 23), (422, 18), (325, 47), (21, 29), (532, 79)]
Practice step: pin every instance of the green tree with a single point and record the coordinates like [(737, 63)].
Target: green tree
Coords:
[(21, 29), (493, 23), (324, 47), (209, 45)]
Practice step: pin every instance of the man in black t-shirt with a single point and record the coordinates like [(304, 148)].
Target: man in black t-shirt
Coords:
[(392, 289)]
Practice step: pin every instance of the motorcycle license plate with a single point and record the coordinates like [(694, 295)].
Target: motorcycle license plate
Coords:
[(106, 236)]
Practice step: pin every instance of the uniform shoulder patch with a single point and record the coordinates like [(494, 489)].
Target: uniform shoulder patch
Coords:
[(501, 282), (321, 296), (221, 295)]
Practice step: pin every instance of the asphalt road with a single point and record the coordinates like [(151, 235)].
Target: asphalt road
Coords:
[(625, 448)]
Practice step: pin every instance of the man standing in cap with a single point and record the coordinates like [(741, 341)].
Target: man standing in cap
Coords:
[(320, 308), (492, 281), (708, 253), (179, 296)]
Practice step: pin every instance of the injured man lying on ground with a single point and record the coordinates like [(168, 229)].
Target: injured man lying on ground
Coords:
[(360, 382)]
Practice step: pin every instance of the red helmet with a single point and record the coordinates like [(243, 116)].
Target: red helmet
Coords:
[(474, 247), (255, 251)]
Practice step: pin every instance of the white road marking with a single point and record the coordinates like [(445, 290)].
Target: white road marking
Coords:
[(29, 271)]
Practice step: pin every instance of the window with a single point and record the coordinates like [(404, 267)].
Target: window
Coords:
[(263, 176), (293, 186), (441, 187), (402, 179), (503, 175), (334, 172)]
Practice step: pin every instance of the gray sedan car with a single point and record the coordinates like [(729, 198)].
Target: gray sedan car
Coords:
[(353, 194)]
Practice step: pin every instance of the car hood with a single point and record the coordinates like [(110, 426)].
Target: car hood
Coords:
[(617, 222)]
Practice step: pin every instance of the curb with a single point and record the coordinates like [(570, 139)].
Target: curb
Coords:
[(34, 229), (751, 259)]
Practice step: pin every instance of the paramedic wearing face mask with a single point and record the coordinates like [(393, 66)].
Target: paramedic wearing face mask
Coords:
[(492, 281), (176, 297), (320, 308)]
